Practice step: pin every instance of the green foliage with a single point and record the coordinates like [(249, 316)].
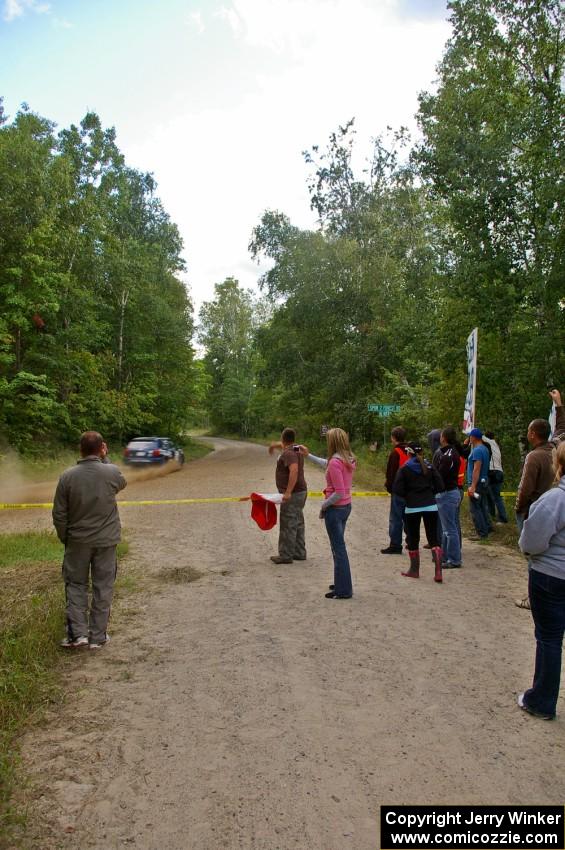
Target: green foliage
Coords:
[(96, 327), (464, 230), (227, 330), (494, 156)]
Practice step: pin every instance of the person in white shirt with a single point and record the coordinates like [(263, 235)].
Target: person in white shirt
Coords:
[(495, 502)]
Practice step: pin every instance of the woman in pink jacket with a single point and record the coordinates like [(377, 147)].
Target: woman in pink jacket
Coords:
[(336, 506)]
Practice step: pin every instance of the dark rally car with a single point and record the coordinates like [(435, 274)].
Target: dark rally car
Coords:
[(152, 450)]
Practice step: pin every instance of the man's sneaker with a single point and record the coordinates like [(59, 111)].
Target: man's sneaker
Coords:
[(74, 643), (392, 550), (448, 565), (98, 644)]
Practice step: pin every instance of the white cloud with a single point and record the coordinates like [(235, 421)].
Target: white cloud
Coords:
[(197, 22), (62, 23), (232, 18), (17, 8), (218, 169)]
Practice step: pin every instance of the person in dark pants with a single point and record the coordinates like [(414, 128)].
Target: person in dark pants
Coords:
[(86, 519), (417, 482), (495, 501), (396, 459), (290, 481), (543, 541), (477, 480)]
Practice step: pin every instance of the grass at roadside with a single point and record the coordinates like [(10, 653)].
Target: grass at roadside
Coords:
[(31, 626), (193, 449)]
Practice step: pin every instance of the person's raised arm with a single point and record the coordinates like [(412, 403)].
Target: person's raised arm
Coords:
[(559, 432), (319, 461)]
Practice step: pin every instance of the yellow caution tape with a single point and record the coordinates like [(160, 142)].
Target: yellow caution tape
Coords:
[(5, 506)]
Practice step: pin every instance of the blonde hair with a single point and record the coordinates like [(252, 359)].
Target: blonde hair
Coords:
[(559, 460), (338, 444)]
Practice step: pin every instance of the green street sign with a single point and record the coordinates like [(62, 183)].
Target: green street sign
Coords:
[(383, 409)]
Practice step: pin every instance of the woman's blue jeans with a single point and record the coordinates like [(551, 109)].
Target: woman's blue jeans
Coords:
[(448, 509), (547, 601), (336, 519)]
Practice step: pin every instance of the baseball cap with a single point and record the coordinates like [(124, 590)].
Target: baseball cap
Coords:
[(476, 433)]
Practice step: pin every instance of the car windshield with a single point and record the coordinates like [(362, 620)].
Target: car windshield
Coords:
[(141, 444)]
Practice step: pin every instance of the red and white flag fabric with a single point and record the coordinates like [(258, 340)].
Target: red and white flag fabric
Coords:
[(264, 509)]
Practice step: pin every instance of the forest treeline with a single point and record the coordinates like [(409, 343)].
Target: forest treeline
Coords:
[(461, 228), (95, 325)]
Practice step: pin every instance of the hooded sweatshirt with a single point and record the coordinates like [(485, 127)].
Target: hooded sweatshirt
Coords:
[(543, 535), (418, 489)]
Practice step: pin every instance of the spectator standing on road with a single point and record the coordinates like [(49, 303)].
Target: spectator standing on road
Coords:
[(397, 458), (417, 483), (477, 480), (447, 462), (290, 481), (537, 473), (543, 541), (495, 501), (85, 516), (336, 506)]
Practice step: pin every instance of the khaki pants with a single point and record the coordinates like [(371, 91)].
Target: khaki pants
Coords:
[(292, 542), (100, 563)]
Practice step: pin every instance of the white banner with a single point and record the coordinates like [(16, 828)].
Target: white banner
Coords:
[(469, 412)]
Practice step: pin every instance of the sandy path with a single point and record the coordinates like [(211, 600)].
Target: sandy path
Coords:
[(244, 710)]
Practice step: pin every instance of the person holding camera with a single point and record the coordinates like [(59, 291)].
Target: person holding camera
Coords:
[(290, 481)]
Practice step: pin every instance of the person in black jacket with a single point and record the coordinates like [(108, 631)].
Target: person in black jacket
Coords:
[(417, 483), (447, 463)]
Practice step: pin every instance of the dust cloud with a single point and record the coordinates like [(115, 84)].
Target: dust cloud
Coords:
[(15, 487)]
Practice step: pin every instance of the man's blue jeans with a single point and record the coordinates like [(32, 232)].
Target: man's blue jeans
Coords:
[(336, 519), (479, 514), (448, 509), (547, 600), (396, 520)]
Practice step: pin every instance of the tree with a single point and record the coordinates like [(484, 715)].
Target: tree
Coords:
[(493, 155), (227, 327)]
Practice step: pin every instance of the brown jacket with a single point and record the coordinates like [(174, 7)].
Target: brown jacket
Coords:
[(84, 508), (538, 474)]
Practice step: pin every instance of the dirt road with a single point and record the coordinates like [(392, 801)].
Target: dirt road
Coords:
[(244, 710)]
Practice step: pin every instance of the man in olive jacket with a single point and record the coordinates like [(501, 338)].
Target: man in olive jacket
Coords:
[(85, 516)]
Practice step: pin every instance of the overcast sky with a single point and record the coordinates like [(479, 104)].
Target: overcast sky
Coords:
[(218, 98)]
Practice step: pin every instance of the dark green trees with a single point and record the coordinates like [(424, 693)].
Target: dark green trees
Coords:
[(95, 326)]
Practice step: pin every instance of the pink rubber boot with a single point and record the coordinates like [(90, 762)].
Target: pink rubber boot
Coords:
[(437, 556), (414, 571)]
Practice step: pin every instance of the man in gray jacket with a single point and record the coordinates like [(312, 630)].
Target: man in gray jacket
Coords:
[(85, 516)]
